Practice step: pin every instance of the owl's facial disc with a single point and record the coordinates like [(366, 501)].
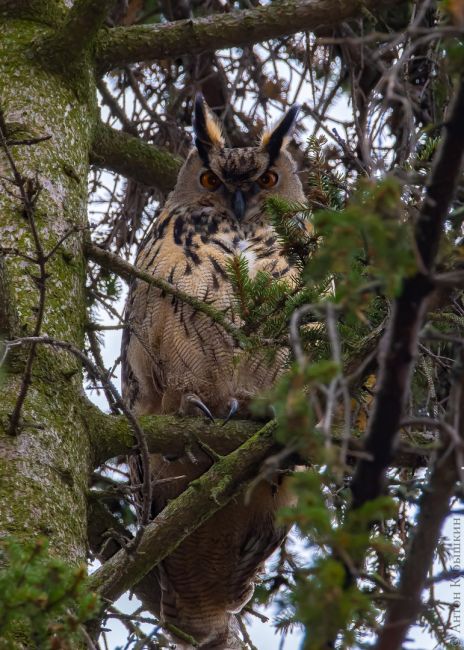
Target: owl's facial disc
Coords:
[(238, 189)]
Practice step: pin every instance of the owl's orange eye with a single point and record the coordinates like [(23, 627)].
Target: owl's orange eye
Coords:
[(267, 180), (210, 181)]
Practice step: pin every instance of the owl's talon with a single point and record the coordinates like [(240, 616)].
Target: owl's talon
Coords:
[(233, 410), (196, 401)]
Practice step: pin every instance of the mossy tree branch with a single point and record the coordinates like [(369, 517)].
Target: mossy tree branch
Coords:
[(65, 47), (132, 157), (47, 13), (111, 436), (125, 45), (204, 496)]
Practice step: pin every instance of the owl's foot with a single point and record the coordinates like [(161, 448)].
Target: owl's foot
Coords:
[(233, 408), (196, 401)]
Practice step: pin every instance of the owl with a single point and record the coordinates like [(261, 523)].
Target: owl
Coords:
[(177, 360)]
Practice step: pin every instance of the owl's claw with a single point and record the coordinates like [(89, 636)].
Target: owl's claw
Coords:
[(233, 410), (196, 401)]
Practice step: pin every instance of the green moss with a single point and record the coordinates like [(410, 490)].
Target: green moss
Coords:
[(49, 13), (46, 104), (44, 469)]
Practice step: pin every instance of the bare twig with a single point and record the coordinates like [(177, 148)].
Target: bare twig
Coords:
[(399, 345), (433, 509), (28, 192), (127, 271)]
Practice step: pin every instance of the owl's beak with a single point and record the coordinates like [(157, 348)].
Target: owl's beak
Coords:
[(238, 204)]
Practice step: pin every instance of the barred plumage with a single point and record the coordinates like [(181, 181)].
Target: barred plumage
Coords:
[(175, 358)]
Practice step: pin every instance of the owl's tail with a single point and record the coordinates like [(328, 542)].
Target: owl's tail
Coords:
[(224, 637)]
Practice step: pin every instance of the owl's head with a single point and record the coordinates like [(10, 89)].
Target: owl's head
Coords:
[(237, 179)]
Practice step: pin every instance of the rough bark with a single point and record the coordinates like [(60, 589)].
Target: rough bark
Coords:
[(8, 314), (66, 47), (45, 13), (131, 44), (44, 467)]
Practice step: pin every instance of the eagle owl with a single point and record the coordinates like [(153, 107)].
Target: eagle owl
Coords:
[(177, 360)]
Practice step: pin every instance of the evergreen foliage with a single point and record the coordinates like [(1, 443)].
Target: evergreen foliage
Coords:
[(42, 595)]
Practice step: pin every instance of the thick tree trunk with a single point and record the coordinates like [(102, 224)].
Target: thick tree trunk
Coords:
[(44, 462)]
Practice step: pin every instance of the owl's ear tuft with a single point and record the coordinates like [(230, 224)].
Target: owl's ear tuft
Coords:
[(208, 132), (273, 140)]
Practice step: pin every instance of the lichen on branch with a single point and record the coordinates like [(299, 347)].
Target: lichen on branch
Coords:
[(112, 436)]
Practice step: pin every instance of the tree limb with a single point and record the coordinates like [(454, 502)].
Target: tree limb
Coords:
[(65, 47), (48, 13), (433, 510), (9, 323), (112, 436), (399, 346), (204, 496), (132, 157), (112, 262), (124, 45)]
